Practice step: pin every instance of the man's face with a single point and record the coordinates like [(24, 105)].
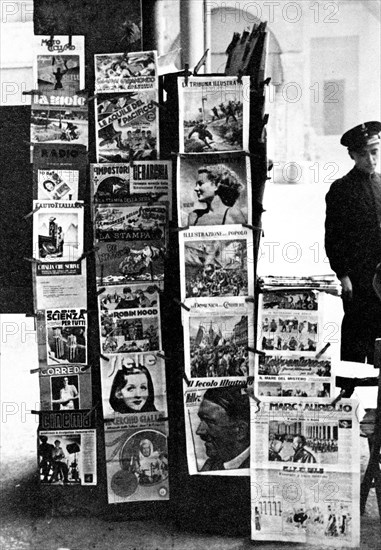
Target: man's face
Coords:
[(297, 443), (217, 430), (146, 450), (366, 159)]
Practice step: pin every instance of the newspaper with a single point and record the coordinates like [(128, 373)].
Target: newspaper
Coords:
[(60, 290), (213, 114), (135, 412), (283, 328), (214, 189), (126, 72), (217, 424), (67, 457), (58, 237), (292, 333), (127, 126), (59, 67), (217, 338), (131, 242), (122, 183), (137, 463), (294, 376), (216, 264), (305, 472), (133, 389)]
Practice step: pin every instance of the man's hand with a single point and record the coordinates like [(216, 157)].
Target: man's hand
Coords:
[(346, 288)]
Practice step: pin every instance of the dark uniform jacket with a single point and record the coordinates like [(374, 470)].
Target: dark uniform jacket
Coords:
[(353, 226)]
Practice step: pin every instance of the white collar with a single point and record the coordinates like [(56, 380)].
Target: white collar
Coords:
[(236, 462)]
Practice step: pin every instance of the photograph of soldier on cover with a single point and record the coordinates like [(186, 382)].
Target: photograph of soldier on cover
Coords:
[(216, 268), (59, 124), (303, 442), (212, 116)]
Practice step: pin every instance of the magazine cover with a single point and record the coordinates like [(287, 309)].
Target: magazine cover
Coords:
[(59, 67), (67, 288), (56, 183), (217, 338), (213, 114), (130, 330), (67, 457), (127, 126), (66, 336), (215, 262), (126, 72), (55, 122), (58, 236), (217, 424), (130, 184), (65, 388), (137, 463), (214, 189), (133, 385)]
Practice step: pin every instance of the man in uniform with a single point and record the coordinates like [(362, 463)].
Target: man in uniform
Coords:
[(353, 241)]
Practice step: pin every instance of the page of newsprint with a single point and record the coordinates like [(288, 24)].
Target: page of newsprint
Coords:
[(216, 264), (217, 425), (126, 72), (305, 472), (214, 189), (135, 412), (60, 291), (67, 448), (213, 114), (131, 242)]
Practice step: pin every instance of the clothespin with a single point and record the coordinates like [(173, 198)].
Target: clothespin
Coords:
[(32, 92), (266, 82), (187, 73), (32, 212), (201, 62), (239, 76), (341, 394), (181, 304), (250, 299), (101, 291), (186, 379), (323, 350), (88, 253), (178, 229), (256, 351), (35, 412), (253, 227), (70, 38), (104, 357), (34, 371), (161, 355), (159, 105), (32, 260)]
